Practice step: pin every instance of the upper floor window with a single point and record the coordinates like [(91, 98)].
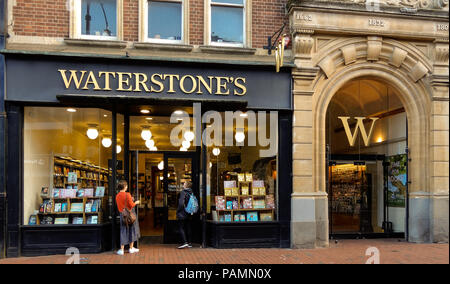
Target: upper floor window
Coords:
[(163, 21), (227, 22), (96, 19)]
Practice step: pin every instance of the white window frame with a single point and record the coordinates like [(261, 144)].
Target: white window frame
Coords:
[(244, 23), (76, 22), (143, 34)]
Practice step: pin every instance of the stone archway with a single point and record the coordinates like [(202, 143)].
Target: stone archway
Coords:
[(317, 78)]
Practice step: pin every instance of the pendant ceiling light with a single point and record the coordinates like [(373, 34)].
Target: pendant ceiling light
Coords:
[(146, 134), (161, 165), (92, 131), (154, 148), (150, 143), (216, 152), (182, 149), (189, 136), (106, 141), (118, 149), (240, 136), (186, 144)]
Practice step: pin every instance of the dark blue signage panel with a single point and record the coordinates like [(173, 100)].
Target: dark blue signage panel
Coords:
[(42, 79)]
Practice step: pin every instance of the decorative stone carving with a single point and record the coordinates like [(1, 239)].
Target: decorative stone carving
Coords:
[(303, 45), (419, 71), (441, 52), (327, 66), (374, 45), (349, 53), (418, 4), (398, 57)]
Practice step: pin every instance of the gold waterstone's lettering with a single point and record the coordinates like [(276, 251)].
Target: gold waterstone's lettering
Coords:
[(153, 83)]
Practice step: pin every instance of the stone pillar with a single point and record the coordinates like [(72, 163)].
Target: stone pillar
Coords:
[(309, 227), (440, 144)]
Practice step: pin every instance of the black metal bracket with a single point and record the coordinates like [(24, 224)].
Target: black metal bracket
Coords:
[(271, 46)]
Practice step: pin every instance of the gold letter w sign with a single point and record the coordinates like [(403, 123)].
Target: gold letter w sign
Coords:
[(360, 124)]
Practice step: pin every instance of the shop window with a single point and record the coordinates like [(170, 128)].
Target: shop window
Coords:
[(96, 19), (67, 154), (242, 180), (227, 24)]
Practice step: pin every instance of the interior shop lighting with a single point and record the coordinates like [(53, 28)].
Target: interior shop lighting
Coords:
[(154, 148), (118, 149), (240, 136), (182, 149), (92, 131), (71, 110), (150, 143), (189, 136), (145, 111), (178, 112), (243, 115), (216, 152), (186, 144), (146, 134), (106, 142), (149, 118), (161, 165)]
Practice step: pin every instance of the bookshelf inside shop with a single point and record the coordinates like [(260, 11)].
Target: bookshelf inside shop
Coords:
[(77, 194), (244, 201)]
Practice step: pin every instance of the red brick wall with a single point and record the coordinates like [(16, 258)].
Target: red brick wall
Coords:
[(196, 10), (267, 17), (48, 18), (131, 20)]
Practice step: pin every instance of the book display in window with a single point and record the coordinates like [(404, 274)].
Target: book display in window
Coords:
[(76, 195), (244, 201)]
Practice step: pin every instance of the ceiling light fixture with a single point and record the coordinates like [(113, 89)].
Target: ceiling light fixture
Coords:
[(146, 134), (145, 111), (186, 144), (189, 136), (106, 141), (71, 110), (92, 131), (216, 152), (240, 136), (150, 143)]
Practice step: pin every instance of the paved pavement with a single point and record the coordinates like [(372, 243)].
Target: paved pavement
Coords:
[(392, 251)]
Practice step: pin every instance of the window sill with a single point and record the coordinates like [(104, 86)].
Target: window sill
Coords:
[(227, 49), (95, 42), (163, 46)]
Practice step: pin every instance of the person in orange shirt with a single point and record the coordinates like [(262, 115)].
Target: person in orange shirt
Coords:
[(128, 234)]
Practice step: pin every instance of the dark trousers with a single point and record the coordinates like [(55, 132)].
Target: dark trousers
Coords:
[(184, 227)]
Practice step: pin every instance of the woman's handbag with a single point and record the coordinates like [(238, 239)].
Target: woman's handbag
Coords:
[(128, 216)]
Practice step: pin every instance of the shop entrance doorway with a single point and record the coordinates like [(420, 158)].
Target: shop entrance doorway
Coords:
[(157, 180), (367, 142)]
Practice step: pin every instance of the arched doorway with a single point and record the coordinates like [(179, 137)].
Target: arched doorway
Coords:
[(366, 152)]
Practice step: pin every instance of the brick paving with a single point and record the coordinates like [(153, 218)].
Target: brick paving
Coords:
[(392, 251)]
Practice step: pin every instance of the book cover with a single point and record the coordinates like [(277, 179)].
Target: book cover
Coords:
[(72, 177), (64, 207), (57, 207), (227, 217), (258, 183), (76, 207), (61, 221), (241, 177), (237, 218), (229, 184), (252, 216), (45, 193), (247, 203), (270, 201), (266, 217), (71, 193), (244, 190), (42, 208), (248, 177), (229, 205), (32, 220), (95, 206), (77, 220), (235, 191), (88, 207), (80, 193), (235, 204), (48, 206), (56, 193), (89, 192), (242, 217), (259, 203), (220, 203), (228, 191), (100, 191)]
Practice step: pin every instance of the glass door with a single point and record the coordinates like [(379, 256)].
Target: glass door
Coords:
[(178, 168)]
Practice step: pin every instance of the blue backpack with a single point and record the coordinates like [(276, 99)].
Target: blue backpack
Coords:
[(192, 206)]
